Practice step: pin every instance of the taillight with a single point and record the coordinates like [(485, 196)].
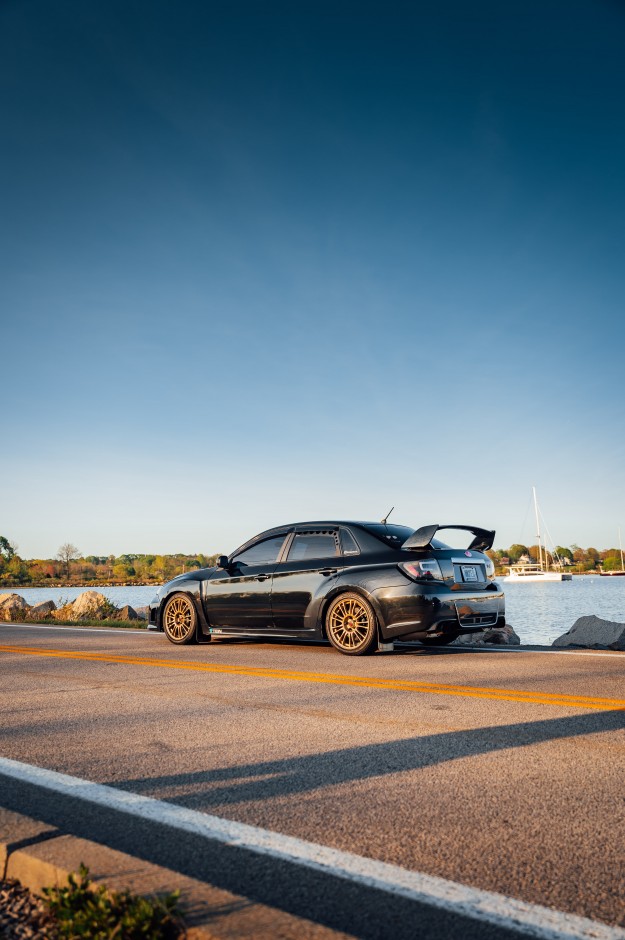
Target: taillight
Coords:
[(422, 570)]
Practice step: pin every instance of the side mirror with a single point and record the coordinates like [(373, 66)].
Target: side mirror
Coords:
[(222, 562)]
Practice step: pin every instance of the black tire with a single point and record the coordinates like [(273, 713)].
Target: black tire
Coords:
[(443, 640), (351, 626), (180, 620)]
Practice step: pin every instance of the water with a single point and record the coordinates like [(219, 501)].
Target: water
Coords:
[(541, 612), (538, 612)]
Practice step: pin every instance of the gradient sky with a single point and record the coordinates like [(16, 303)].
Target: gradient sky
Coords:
[(262, 262)]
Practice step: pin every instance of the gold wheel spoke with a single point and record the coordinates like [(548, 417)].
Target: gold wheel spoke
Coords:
[(349, 624), (178, 618)]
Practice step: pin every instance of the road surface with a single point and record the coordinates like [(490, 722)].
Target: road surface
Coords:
[(499, 770)]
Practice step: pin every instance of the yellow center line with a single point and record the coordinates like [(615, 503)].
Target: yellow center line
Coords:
[(367, 682)]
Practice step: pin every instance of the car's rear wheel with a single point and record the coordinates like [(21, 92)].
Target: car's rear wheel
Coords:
[(350, 625), (443, 640), (180, 619)]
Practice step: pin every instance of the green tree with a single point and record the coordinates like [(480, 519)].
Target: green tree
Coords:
[(123, 571), (7, 549), (593, 557), (612, 560), (515, 551), (17, 570)]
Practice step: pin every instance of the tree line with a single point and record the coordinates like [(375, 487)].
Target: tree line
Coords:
[(70, 566), (575, 559)]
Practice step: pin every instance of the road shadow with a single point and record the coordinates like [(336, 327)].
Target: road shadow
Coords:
[(302, 774)]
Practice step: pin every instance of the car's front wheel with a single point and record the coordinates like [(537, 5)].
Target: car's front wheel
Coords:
[(351, 626), (180, 619)]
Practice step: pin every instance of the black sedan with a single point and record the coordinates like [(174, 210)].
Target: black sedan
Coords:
[(359, 585)]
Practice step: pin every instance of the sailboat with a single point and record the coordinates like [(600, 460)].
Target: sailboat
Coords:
[(616, 574), (536, 571)]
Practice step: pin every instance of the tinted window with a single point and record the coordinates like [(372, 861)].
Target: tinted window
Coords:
[(312, 545), (394, 535), (348, 543), (263, 553)]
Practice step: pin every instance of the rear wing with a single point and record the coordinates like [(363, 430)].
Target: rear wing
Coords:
[(483, 540)]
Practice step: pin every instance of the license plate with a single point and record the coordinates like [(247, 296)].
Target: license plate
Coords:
[(469, 573)]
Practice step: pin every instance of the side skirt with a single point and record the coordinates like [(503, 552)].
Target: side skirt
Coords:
[(262, 634)]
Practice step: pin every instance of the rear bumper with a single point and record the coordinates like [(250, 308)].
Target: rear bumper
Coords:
[(405, 610)]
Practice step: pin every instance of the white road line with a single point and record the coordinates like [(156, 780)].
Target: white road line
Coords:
[(545, 652), (476, 649), (51, 626), (530, 920)]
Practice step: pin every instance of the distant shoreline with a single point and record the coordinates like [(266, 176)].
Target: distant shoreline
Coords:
[(77, 584)]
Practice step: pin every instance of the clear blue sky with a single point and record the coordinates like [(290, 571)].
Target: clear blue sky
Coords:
[(262, 262)]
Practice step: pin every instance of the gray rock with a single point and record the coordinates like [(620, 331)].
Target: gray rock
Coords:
[(90, 605), (594, 633), (41, 611), (126, 613), (142, 612), (493, 636), (13, 607)]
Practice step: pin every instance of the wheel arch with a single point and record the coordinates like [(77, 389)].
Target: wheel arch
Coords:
[(192, 590), (347, 588)]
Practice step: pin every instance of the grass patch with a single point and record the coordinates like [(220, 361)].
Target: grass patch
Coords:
[(120, 624), (82, 910)]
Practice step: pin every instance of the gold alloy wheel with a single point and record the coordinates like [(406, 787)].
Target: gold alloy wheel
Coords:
[(351, 624), (179, 619)]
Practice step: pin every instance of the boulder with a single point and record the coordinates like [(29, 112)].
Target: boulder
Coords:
[(493, 636), (143, 612), (126, 613), (41, 611), (91, 605), (13, 607), (594, 633)]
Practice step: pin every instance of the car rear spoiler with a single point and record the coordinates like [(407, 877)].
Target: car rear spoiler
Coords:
[(483, 540)]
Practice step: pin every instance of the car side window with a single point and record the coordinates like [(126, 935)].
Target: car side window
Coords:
[(263, 553), (313, 545), (349, 543)]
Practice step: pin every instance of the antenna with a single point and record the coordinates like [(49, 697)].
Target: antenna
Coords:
[(384, 521)]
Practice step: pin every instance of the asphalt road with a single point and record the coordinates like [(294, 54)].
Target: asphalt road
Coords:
[(502, 770)]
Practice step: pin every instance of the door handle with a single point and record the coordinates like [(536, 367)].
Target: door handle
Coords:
[(262, 577), (328, 571)]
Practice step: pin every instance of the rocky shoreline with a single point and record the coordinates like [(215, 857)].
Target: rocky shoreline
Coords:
[(91, 605)]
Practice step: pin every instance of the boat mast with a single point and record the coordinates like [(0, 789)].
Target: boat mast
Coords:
[(620, 545), (540, 549)]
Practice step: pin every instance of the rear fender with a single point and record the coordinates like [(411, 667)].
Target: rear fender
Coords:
[(348, 589)]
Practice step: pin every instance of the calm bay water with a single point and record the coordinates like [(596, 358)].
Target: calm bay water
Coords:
[(541, 612), (538, 612)]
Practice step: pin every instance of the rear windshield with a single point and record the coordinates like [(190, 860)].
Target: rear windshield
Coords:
[(396, 535)]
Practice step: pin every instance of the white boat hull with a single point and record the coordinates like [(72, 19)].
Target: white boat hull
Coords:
[(538, 576)]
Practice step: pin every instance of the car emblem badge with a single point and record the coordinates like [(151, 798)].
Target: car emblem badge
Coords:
[(468, 554)]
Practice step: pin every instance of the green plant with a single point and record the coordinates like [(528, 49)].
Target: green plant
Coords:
[(121, 624), (85, 912)]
